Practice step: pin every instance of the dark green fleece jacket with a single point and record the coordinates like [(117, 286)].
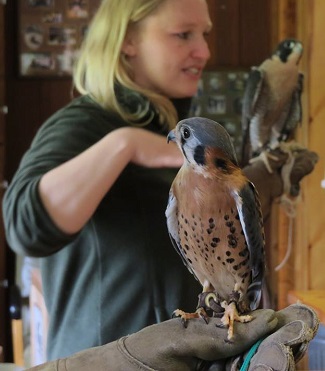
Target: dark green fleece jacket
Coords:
[(120, 273)]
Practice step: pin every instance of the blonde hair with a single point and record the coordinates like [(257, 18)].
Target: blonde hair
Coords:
[(101, 64)]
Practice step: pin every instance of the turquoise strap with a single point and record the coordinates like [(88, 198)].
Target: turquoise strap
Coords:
[(250, 355)]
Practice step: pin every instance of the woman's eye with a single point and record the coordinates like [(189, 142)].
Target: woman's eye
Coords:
[(183, 35), (206, 34), (186, 133)]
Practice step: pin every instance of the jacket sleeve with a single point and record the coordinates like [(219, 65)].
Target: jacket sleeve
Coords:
[(28, 227)]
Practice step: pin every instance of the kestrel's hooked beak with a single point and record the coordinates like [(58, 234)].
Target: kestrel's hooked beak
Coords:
[(171, 136)]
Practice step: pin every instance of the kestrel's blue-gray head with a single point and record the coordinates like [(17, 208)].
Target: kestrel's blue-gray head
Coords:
[(194, 135)]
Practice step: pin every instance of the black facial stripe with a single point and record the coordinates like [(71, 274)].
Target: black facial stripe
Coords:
[(221, 164), (199, 155), (284, 54)]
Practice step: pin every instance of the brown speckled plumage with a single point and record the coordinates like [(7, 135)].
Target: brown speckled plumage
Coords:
[(211, 204)]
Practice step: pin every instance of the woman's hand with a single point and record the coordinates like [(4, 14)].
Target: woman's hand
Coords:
[(151, 150)]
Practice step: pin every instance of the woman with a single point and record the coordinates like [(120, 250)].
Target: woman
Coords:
[(90, 194)]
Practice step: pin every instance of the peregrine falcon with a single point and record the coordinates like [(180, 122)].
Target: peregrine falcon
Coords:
[(272, 101)]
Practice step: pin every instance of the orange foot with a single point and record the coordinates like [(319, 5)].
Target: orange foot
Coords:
[(230, 315), (199, 313)]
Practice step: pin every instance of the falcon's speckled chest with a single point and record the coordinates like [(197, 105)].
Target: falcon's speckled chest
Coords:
[(210, 232)]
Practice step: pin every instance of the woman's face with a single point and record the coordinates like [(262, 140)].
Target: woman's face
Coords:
[(168, 50)]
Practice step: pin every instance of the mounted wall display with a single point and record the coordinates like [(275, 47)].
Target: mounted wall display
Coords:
[(219, 97), (50, 34)]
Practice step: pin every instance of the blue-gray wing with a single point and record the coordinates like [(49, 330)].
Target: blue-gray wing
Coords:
[(249, 210), (172, 225)]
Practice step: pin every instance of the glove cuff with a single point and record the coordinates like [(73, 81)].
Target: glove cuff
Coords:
[(137, 364)]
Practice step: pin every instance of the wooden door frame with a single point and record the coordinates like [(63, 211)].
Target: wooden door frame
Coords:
[(7, 268)]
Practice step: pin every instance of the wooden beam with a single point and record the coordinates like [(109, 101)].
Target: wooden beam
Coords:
[(287, 18), (302, 256), (286, 28)]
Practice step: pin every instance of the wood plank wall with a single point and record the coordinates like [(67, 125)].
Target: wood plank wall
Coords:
[(4, 297), (282, 234), (241, 34), (304, 270), (311, 27)]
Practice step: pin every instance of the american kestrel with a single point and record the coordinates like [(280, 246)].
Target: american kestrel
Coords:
[(215, 223), (272, 101)]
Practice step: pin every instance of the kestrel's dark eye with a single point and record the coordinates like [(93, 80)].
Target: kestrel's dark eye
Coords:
[(186, 133)]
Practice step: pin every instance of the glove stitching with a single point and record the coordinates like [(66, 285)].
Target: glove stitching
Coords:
[(287, 351), (311, 312), (60, 364), (305, 335), (123, 350), (300, 343)]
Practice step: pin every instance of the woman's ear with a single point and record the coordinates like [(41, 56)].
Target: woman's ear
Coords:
[(129, 45)]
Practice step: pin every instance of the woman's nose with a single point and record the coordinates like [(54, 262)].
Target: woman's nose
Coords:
[(201, 50)]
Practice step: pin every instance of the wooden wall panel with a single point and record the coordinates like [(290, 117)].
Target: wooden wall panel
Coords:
[(283, 25), (254, 32), (301, 255), (30, 100), (4, 271), (242, 32), (287, 22), (301, 242), (316, 105), (309, 242), (224, 40), (56, 93), (2, 108), (31, 103), (305, 268), (303, 20)]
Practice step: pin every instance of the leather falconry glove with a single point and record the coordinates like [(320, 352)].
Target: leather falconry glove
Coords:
[(271, 185), (169, 346), (297, 326)]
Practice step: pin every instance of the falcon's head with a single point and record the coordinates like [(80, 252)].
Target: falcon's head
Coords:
[(289, 50), (196, 135)]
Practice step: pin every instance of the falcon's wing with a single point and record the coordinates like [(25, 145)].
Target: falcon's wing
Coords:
[(172, 225), (250, 215), (295, 114), (251, 95)]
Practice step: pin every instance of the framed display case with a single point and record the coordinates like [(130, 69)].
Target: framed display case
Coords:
[(50, 34), (220, 97)]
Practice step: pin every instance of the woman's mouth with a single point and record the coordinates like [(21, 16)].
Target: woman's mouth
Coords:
[(193, 72)]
